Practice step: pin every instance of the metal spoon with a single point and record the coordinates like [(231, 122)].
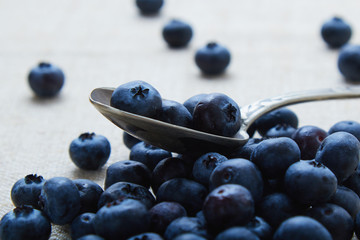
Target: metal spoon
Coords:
[(181, 140)]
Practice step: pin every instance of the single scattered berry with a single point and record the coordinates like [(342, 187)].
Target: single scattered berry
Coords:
[(212, 59), (349, 62), (149, 6), (336, 32), (90, 151), (46, 80), (177, 33)]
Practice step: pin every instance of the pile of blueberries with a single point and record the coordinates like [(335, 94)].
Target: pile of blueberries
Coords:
[(290, 183)]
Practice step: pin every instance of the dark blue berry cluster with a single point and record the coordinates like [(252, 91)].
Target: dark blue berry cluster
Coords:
[(303, 186)]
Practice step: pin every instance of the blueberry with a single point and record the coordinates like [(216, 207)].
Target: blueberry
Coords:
[(46, 80), (238, 171), (60, 200), (260, 227), (90, 151), (275, 117), (82, 225), (246, 150), (336, 32), (204, 166), (91, 237), (25, 222), (188, 193), (129, 140), (189, 236), (276, 208), (227, 206), (218, 114), (274, 156), (213, 58), (90, 193), (347, 199), (349, 62), (300, 228), (167, 169), (175, 113), (309, 138), (335, 219), (185, 225), (163, 213), (352, 127), (353, 182), (309, 182), (146, 236), (200, 215), (149, 6), (273, 186), (340, 153), (237, 233), (137, 97), (280, 130), (357, 225), (126, 190), (122, 219), (192, 101), (128, 171), (177, 33), (148, 154), (26, 191)]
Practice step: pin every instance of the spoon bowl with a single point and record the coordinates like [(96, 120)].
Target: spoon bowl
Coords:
[(161, 134), (184, 140)]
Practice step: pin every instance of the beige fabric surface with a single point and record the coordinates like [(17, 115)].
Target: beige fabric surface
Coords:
[(275, 46)]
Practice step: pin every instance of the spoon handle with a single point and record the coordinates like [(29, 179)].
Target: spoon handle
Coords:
[(253, 111)]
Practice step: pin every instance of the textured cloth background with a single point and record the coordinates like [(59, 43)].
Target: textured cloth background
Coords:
[(275, 46)]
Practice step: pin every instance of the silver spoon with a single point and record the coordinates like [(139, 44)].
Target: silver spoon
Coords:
[(181, 140)]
